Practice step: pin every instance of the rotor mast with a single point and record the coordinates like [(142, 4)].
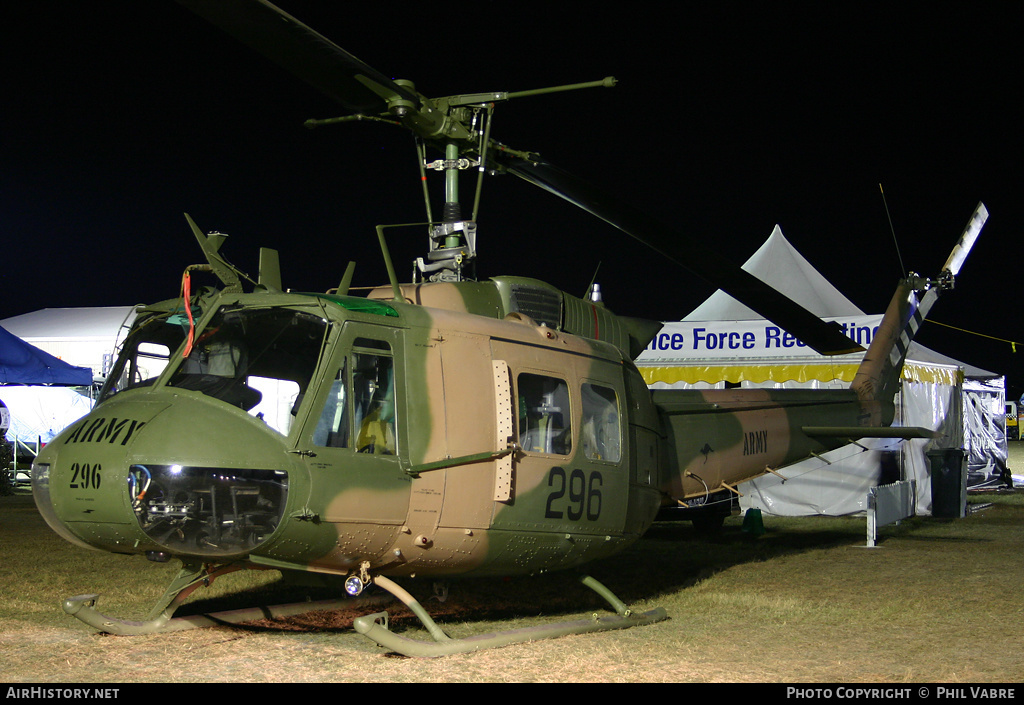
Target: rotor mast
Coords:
[(461, 125), (453, 240)]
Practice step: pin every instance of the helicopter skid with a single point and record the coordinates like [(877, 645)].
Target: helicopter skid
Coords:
[(82, 608), (191, 576), (375, 626)]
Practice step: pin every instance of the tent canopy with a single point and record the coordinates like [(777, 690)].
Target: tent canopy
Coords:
[(724, 340), (778, 264), (21, 363)]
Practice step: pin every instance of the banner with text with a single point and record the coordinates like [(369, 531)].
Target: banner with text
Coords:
[(681, 342)]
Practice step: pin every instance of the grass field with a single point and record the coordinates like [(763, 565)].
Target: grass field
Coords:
[(936, 601)]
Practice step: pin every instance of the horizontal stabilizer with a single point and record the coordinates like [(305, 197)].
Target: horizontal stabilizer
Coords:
[(869, 432)]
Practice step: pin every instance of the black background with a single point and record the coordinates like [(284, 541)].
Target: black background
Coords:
[(728, 119)]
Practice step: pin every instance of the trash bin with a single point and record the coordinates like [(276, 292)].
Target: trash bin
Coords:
[(949, 482)]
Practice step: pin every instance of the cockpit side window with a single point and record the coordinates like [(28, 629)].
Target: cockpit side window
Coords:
[(373, 399), (359, 412), (332, 429)]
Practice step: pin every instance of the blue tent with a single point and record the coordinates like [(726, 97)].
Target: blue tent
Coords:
[(21, 363)]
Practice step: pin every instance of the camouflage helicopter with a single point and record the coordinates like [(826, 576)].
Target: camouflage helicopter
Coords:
[(440, 428)]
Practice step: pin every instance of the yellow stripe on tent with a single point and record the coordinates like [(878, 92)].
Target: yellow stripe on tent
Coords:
[(796, 372)]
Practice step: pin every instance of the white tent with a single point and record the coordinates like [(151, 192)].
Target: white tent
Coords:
[(84, 337), (724, 343), (40, 413)]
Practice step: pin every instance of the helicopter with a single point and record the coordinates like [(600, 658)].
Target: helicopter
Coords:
[(442, 428)]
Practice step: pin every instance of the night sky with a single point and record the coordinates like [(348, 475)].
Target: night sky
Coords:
[(120, 116)]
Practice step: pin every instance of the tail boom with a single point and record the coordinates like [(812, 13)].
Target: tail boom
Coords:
[(715, 439)]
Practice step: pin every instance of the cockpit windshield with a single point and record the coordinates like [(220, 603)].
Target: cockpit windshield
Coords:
[(258, 359), (146, 352)]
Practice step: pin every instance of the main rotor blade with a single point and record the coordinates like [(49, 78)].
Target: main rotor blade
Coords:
[(303, 52), (688, 253)]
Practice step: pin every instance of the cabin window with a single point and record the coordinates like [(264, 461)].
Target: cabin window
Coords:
[(600, 432), (544, 415), (359, 411), (258, 359)]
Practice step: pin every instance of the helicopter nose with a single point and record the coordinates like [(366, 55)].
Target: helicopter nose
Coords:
[(188, 477)]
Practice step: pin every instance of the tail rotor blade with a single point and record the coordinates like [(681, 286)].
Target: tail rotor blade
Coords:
[(966, 241)]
